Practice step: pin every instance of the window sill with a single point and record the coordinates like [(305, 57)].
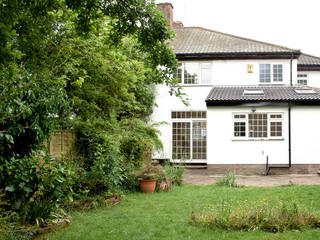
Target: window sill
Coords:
[(257, 139)]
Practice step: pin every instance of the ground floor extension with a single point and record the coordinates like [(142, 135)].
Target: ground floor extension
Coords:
[(241, 135)]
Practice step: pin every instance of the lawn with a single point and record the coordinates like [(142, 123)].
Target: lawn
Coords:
[(166, 215)]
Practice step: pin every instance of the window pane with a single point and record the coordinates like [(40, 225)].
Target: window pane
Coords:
[(178, 73), (265, 73), (277, 72), (258, 125), (275, 116), (205, 73), (239, 129), (199, 140), (276, 129), (181, 140), (191, 73)]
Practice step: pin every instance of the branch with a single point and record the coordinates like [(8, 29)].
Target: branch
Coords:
[(14, 116)]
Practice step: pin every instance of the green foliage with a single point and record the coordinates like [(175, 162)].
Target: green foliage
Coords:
[(87, 65), (272, 215), (37, 187), (174, 173), (9, 227), (228, 180), (151, 171)]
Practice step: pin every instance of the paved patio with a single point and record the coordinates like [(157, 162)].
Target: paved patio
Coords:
[(192, 177)]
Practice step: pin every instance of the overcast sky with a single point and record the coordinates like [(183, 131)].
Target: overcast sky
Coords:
[(291, 23)]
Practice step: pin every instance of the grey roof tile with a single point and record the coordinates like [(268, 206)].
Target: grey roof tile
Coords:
[(222, 94), (305, 59), (196, 40)]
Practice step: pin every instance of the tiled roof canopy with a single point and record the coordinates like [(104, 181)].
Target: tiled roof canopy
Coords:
[(277, 94), (200, 41), (307, 62)]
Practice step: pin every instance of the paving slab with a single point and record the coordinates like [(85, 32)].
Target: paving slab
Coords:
[(260, 181)]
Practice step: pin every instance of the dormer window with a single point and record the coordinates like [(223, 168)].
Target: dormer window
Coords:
[(267, 77), (194, 73)]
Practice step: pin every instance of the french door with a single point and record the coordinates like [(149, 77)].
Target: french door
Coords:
[(189, 140)]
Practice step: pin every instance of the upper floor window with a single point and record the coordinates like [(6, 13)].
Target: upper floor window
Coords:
[(267, 77), (194, 73), (302, 79)]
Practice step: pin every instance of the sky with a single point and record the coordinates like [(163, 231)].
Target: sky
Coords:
[(290, 23)]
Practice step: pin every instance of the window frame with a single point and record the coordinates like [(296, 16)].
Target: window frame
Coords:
[(272, 73), (269, 121), (200, 118), (302, 78), (199, 73)]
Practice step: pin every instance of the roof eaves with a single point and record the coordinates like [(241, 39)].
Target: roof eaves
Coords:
[(308, 67), (237, 55)]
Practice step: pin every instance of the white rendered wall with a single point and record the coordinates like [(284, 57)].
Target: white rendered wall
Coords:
[(234, 72), (224, 149), (166, 104), (305, 134), (313, 78), (224, 72)]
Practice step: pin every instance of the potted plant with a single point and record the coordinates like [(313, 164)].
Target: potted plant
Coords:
[(148, 176)]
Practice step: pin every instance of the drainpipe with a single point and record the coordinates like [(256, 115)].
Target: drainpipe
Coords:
[(289, 133), (289, 116), (291, 69)]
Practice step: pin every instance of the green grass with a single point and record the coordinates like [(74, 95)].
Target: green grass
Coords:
[(166, 215)]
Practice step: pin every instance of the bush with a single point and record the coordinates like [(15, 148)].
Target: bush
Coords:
[(228, 180), (271, 215), (174, 173), (9, 227), (36, 187)]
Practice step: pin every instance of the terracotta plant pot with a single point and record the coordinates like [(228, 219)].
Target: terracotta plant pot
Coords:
[(148, 186)]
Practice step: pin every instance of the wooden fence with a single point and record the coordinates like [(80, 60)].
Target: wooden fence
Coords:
[(61, 142)]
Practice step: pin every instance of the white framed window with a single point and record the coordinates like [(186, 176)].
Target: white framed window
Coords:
[(265, 70), (194, 73), (257, 125), (302, 79), (189, 135)]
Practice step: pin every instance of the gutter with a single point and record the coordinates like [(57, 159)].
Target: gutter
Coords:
[(237, 55)]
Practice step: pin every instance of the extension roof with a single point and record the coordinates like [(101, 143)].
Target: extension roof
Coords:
[(197, 42), (308, 63), (234, 95)]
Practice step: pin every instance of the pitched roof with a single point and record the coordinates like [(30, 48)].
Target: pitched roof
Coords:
[(197, 40), (305, 59), (235, 94), (308, 63)]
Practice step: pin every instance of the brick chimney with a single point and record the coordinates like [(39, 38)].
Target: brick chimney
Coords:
[(167, 11)]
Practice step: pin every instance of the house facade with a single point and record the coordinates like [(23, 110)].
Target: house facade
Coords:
[(249, 101)]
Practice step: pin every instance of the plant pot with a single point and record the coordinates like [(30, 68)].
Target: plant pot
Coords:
[(148, 186)]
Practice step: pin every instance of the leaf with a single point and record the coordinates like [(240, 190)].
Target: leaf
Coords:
[(27, 189), (10, 188)]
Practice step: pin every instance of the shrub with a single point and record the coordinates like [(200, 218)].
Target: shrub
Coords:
[(36, 187), (174, 173), (271, 215), (228, 180)]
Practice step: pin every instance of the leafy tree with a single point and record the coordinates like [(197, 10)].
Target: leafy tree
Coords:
[(35, 37), (88, 64)]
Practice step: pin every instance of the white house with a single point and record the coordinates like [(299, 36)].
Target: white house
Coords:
[(249, 100)]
